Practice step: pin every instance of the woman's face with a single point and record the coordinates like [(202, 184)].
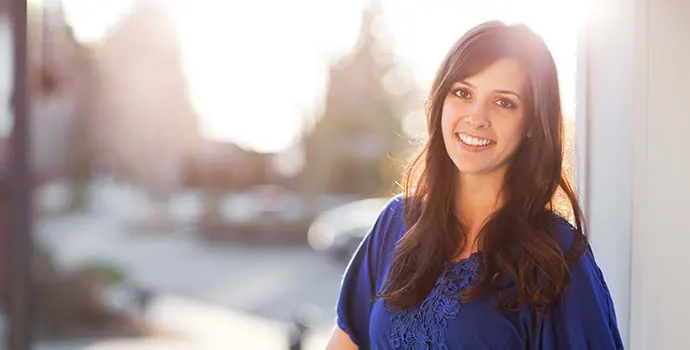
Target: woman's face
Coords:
[(483, 118)]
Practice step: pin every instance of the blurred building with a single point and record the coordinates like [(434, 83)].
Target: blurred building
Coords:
[(225, 166), (148, 128), (62, 85), (60, 80)]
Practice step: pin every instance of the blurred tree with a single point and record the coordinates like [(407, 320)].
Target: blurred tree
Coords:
[(148, 124), (360, 133)]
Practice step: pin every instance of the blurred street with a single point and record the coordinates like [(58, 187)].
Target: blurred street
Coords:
[(241, 278)]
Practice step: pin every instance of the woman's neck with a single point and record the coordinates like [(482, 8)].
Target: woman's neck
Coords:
[(478, 197)]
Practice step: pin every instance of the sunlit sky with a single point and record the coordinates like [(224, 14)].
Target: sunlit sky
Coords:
[(257, 69)]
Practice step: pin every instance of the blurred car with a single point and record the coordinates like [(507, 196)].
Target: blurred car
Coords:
[(339, 231)]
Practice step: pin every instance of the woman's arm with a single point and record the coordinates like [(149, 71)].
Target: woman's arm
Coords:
[(339, 340), (359, 283), (584, 317)]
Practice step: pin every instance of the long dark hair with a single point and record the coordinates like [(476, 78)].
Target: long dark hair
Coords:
[(517, 241)]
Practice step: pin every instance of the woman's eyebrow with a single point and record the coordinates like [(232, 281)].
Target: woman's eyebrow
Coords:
[(500, 91)]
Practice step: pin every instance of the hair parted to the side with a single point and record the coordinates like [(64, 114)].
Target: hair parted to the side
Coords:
[(517, 241)]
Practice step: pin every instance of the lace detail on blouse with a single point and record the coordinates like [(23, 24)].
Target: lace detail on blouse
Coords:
[(424, 326)]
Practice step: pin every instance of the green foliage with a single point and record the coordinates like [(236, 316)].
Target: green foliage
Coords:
[(107, 273)]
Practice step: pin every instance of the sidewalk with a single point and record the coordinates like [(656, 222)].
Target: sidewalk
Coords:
[(207, 326), (181, 324)]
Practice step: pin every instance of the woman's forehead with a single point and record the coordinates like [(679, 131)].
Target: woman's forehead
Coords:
[(502, 74)]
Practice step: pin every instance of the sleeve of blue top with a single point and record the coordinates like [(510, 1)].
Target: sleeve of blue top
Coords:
[(358, 287), (584, 317)]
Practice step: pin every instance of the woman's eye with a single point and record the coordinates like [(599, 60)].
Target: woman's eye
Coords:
[(462, 93), (505, 103)]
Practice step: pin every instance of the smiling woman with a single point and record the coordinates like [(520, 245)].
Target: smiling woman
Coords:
[(473, 254)]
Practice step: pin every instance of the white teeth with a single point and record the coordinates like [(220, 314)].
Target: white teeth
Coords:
[(474, 141)]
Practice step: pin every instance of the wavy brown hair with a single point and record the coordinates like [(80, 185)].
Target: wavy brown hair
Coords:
[(518, 243)]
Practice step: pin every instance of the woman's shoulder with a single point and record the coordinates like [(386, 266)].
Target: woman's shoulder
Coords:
[(585, 317), (584, 269), (395, 205), (390, 224), (566, 234)]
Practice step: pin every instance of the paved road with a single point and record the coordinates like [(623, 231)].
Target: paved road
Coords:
[(270, 281), (273, 282)]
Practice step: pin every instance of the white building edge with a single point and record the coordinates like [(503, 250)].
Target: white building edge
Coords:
[(634, 162)]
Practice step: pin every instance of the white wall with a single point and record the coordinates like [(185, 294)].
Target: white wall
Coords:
[(661, 240), (636, 152), (604, 107)]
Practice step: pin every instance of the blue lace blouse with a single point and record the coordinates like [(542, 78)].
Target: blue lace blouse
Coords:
[(584, 319)]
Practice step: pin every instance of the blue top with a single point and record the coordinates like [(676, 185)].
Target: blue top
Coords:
[(584, 319)]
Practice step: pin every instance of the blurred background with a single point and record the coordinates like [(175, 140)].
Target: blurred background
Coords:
[(203, 170)]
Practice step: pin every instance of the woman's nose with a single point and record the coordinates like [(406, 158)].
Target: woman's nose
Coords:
[(477, 118)]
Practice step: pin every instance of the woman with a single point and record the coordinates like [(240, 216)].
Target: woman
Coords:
[(474, 255)]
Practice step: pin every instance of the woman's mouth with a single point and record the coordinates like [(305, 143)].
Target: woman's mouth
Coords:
[(473, 143)]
